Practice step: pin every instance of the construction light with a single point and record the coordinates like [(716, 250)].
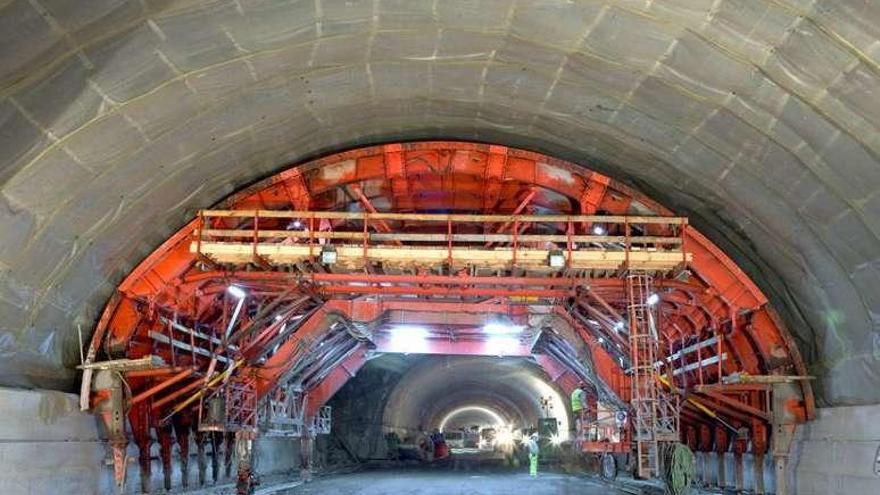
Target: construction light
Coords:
[(618, 326), (598, 230), (653, 299), (501, 346), (501, 329), (408, 338), (296, 224), (556, 259), (504, 436), (329, 255), (236, 291)]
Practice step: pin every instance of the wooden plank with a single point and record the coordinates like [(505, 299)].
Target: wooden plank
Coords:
[(381, 236), (145, 363), (345, 215), (771, 379), (349, 255)]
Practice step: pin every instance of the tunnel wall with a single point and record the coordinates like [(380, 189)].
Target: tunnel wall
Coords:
[(837, 453), (757, 119), (48, 446), (358, 414)]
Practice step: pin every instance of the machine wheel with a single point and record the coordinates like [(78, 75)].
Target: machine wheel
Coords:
[(609, 466)]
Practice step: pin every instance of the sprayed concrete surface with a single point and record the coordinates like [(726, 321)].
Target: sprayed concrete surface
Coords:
[(424, 482), (758, 120)]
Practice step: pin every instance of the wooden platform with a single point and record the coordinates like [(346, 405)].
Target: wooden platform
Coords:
[(355, 256)]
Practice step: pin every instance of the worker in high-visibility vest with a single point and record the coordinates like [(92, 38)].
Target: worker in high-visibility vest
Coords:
[(534, 450), (577, 400), (578, 407)]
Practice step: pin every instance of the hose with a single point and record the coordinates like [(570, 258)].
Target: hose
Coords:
[(679, 472)]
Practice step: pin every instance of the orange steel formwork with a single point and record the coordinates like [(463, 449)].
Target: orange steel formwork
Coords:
[(484, 222)]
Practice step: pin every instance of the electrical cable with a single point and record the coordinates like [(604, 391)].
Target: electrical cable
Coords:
[(679, 472)]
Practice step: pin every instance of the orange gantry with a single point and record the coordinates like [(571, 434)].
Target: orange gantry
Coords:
[(293, 282)]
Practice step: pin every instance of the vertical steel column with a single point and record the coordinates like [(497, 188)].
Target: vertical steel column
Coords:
[(244, 451), (200, 456), (720, 449), (139, 418), (182, 426), (109, 402), (306, 449), (740, 445), (216, 445), (230, 450), (166, 441)]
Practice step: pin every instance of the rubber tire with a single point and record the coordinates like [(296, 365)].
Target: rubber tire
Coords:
[(608, 467)]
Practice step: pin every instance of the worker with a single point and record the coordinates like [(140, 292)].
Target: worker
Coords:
[(534, 449), (441, 448), (578, 400)]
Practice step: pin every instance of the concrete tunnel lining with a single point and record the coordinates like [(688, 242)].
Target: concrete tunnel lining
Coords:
[(757, 121), (436, 386)]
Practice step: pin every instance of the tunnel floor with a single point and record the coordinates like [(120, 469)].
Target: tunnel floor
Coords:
[(432, 482)]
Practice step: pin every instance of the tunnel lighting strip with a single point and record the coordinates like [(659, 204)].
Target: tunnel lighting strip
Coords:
[(499, 421)]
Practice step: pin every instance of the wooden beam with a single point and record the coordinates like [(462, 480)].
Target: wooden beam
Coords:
[(351, 256), (415, 237)]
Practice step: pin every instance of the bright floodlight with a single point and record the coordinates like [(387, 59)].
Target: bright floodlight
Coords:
[(618, 326), (236, 291), (502, 346), (501, 329), (408, 338), (598, 230), (653, 299), (297, 224), (329, 255), (556, 259)]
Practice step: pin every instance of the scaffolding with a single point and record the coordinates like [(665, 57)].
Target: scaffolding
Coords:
[(655, 413)]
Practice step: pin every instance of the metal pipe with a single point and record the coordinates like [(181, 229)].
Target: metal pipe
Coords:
[(159, 387)]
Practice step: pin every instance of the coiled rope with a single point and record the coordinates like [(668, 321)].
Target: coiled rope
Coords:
[(679, 472)]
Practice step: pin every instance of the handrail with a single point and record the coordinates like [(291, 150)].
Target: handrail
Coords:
[(432, 217)]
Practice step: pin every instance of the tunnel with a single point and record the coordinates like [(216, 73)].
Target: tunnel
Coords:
[(334, 246)]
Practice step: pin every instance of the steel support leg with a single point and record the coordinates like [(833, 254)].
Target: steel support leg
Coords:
[(109, 406), (305, 454), (738, 474), (139, 418), (781, 462), (739, 448), (230, 450), (216, 444), (182, 425), (200, 456), (244, 452), (759, 474), (166, 441)]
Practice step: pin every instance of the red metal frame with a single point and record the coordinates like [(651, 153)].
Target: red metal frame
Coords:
[(711, 297)]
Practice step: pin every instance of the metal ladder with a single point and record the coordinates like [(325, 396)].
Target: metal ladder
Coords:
[(644, 347)]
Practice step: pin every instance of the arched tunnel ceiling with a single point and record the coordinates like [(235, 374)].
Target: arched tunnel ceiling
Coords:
[(756, 118)]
